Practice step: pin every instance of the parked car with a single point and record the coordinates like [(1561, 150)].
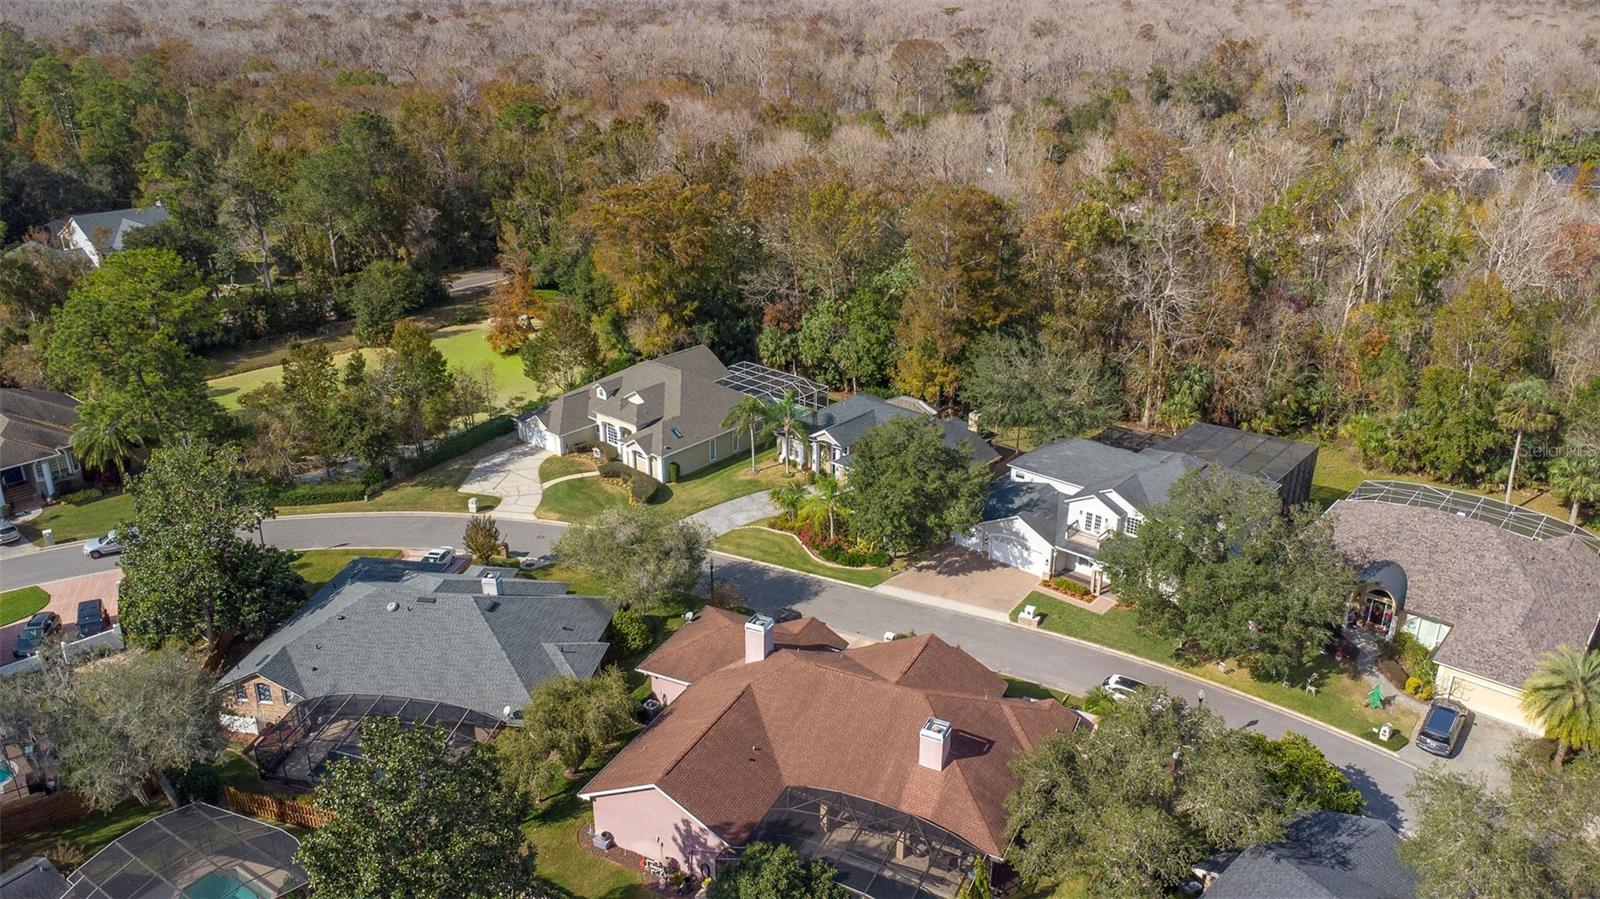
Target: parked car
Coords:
[(440, 555), (40, 626), (8, 531), (109, 545), (786, 614), (92, 618), (1120, 686), (1442, 727)]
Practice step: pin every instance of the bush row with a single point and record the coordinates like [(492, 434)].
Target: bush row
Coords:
[(322, 494), (459, 443), (839, 550), (641, 487)]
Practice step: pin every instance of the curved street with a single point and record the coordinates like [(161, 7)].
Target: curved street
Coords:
[(1032, 655)]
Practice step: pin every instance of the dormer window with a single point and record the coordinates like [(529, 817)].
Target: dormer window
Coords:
[(600, 391), (635, 399)]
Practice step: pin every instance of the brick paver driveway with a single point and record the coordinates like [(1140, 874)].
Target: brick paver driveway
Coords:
[(954, 573), (64, 598)]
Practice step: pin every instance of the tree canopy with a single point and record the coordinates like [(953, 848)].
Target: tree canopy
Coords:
[(907, 489), (641, 555), (774, 871)]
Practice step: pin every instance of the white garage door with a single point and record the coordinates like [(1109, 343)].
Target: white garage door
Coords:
[(1014, 552)]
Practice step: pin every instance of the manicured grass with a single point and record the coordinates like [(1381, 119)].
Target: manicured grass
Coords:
[(785, 550), (18, 604), (318, 566), (1023, 689), (1340, 700), (463, 345), (88, 834), (580, 500), (586, 498), (236, 771), (79, 516), (556, 833), (561, 466), (433, 490), (1339, 471), (576, 579)]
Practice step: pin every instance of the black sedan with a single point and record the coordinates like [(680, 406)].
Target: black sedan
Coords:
[(40, 626)]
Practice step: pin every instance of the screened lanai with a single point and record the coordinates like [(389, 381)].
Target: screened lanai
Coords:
[(879, 851), (195, 852), (296, 749), (755, 379)]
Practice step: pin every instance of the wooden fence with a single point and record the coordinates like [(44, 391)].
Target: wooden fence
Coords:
[(40, 811), (284, 811)]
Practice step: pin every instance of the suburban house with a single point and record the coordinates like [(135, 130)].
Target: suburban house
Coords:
[(1489, 587), (1058, 502), (36, 458), (833, 429), (35, 878), (663, 416), (714, 640), (479, 641), (1324, 855), (99, 234), (890, 761)]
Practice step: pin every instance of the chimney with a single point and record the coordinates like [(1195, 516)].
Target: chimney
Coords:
[(933, 744), (757, 637), (491, 585)]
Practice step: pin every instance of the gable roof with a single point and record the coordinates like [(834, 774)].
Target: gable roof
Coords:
[(1078, 461), (842, 721), (35, 878), (1507, 598), (1147, 486), (1039, 506), (34, 424), (106, 229), (660, 398), (1325, 855), (845, 421), (715, 639), (444, 640)]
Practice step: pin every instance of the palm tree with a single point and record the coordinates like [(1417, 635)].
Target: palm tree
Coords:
[(101, 439), (789, 498), (826, 500), (1564, 694), (1526, 407), (787, 416), (755, 415), (1576, 480)]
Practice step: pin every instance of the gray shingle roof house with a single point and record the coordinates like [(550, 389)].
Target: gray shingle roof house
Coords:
[(99, 234), (835, 428), (408, 629), (656, 414), (1489, 601), (35, 878), (35, 440), (1062, 499), (1325, 855)]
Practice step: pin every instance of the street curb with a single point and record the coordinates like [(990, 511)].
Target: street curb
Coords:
[(820, 577), (939, 602), (1299, 716)]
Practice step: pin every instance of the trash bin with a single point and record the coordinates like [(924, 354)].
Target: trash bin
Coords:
[(49, 536), (472, 505)]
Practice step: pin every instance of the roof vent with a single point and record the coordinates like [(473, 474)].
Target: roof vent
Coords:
[(933, 744), (430, 600), (393, 607)]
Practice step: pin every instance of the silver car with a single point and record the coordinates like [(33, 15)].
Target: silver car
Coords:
[(108, 545), (8, 531)]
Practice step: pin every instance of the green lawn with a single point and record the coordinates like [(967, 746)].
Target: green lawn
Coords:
[(463, 345), (578, 580), (1017, 688), (1339, 700), (79, 516), (785, 550), (560, 857), (561, 466), (18, 604), (433, 490), (583, 499), (318, 566), (88, 834), (1339, 471)]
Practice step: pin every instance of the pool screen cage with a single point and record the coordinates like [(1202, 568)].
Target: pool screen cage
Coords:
[(1515, 519), (879, 851), (755, 379), (295, 749), (195, 852)]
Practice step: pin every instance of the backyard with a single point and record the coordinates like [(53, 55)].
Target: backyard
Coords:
[(1340, 700)]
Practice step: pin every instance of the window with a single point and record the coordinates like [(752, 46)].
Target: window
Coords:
[(677, 433), (240, 694), (1093, 523), (264, 693), (736, 441), (713, 449), (610, 433), (1131, 526)]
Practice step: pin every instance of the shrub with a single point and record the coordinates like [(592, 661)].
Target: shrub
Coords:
[(199, 782), (1099, 701), (1070, 587), (672, 472), (459, 443), (1426, 691), (1413, 684), (642, 488), (613, 470), (840, 550), (629, 630), (324, 493)]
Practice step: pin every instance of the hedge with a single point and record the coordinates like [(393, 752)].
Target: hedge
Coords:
[(322, 494), (457, 444), (614, 471), (642, 488)]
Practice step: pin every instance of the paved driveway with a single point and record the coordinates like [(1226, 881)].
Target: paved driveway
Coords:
[(64, 598), (512, 475), (1479, 751), (966, 577), (736, 513)]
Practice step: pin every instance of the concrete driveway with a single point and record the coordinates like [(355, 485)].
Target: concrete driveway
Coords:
[(512, 475), (736, 513), (961, 575), (1482, 744), (64, 598)]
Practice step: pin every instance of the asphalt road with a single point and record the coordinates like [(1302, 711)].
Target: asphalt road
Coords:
[(1031, 655)]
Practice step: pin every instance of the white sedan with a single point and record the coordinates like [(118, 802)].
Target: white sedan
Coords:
[(440, 555), (1120, 686)]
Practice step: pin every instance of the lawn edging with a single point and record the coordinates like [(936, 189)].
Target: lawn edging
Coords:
[(814, 557), (775, 567), (1207, 682)]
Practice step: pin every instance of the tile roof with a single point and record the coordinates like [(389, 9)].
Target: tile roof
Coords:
[(35, 878), (1325, 855), (845, 421), (842, 721), (442, 641), (1507, 598), (715, 639), (34, 424)]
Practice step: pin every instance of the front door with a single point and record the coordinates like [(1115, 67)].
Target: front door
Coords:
[(14, 476)]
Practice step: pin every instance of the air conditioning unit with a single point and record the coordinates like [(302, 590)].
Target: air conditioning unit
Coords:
[(602, 840)]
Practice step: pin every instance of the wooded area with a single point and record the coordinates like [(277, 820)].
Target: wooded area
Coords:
[(1362, 219)]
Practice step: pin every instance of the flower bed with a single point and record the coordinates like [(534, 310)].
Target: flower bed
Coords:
[(839, 550), (1070, 587)]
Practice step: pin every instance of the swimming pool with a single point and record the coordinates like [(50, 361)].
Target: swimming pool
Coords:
[(6, 774), (222, 885)]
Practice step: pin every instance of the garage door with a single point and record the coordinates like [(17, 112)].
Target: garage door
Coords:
[(1017, 554)]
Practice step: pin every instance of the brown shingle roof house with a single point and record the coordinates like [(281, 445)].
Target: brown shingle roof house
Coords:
[(1489, 587), (714, 640), (802, 745)]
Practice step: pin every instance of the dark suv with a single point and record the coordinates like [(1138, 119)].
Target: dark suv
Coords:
[(92, 618), (1442, 727), (41, 625)]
